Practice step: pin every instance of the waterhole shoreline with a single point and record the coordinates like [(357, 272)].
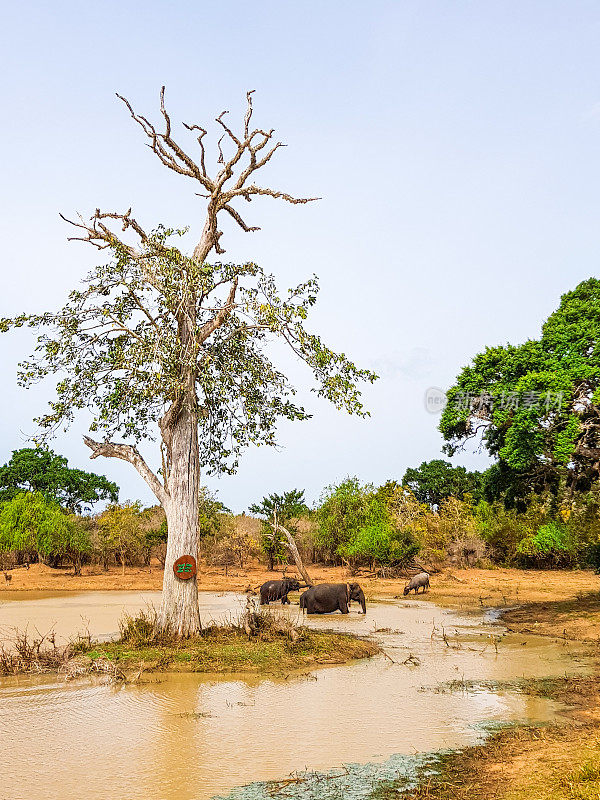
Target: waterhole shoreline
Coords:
[(344, 731)]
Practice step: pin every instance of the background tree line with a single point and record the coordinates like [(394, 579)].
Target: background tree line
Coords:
[(438, 513), (537, 505)]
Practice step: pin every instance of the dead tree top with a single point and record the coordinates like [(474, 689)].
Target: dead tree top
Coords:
[(251, 150)]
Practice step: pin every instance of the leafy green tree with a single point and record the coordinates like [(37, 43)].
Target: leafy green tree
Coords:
[(284, 508), (211, 514), (382, 543), (158, 337), (31, 523), (436, 480), (343, 510), (515, 488), (40, 470), (536, 406), (121, 533)]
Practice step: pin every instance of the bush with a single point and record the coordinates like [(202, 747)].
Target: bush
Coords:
[(591, 557), (552, 546), (383, 544), (139, 630), (504, 529), (230, 546), (121, 535), (344, 510)]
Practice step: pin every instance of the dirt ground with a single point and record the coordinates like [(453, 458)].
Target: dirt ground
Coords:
[(488, 587)]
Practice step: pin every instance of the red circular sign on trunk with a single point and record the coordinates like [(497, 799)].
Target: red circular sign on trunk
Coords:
[(185, 568)]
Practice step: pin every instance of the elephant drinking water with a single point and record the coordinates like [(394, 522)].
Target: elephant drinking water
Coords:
[(328, 597)]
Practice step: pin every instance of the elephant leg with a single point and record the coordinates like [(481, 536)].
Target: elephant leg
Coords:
[(344, 606), (285, 600)]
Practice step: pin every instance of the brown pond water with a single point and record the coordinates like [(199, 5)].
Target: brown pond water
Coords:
[(193, 737)]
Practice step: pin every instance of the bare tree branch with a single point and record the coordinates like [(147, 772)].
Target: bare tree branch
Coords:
[(173, 156), (219, 192), (166, 148), (239, 220), (220, 317), (248, 191), (131, 454), (291, 546)]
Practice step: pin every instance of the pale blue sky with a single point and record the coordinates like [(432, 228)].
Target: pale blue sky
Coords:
[(456, 146)]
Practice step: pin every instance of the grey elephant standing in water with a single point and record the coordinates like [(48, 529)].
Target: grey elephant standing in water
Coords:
[(328, 597), (420, 580), (277, 590)]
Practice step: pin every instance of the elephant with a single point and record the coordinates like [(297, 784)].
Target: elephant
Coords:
[(419, 581), (328, 597), (277, 590)]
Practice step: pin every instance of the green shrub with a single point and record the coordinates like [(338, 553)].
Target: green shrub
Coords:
[(591, 557), (380, 542), (551, 546)]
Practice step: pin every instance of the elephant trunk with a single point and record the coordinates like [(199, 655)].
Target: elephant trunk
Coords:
[(362, 602)]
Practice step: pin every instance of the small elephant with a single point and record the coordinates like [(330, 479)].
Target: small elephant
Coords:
[(328, 597), (418, 581), (277, 590)]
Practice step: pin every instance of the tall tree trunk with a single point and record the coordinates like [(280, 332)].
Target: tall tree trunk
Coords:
[(179, 612)]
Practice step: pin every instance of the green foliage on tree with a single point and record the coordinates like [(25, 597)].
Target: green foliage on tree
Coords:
[(552, 545), (381, 543), (343, 510), (127, 534), (32, 524), (434, 481), (514, 488), (211, 514), (40, 470), (283, 508), (122, 325), (536, 405), (362, 524)]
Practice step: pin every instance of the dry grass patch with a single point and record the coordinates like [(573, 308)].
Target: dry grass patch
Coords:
[(554, 763)]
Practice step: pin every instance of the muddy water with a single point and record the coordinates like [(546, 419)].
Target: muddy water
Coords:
[(193, 737)]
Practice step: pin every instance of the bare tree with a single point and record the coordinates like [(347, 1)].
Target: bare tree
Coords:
[(156, 336)]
